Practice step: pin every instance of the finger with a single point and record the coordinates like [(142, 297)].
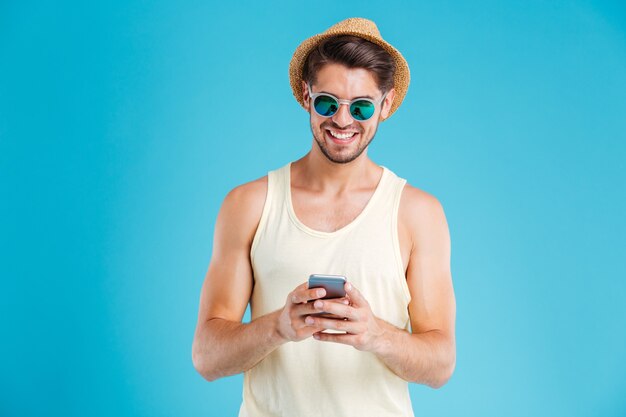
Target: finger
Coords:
[(342, 300), (355, 295), (304, 309), (338, 309), (292, 294), (299, 313), (346, 339), (334, 324), (307, 331), (316, 312), (303, 295)]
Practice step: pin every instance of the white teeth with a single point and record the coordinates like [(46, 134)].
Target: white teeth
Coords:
[(342, 136)]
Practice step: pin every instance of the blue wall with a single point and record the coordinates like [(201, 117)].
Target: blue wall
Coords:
[(124, 124)]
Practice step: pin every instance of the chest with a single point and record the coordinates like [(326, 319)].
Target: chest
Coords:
[(329, 212)]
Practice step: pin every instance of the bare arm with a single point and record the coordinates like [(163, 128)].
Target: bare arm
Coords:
[(226, 292), (222, 344), (428, 354)]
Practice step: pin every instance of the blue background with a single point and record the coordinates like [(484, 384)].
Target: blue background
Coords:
[(123, 125)]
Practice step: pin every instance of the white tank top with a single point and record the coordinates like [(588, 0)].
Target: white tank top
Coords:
[(310, 377)]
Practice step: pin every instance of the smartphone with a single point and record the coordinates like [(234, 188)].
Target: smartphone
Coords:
[(333, 284)]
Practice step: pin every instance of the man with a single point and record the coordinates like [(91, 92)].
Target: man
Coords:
[(332, 212)]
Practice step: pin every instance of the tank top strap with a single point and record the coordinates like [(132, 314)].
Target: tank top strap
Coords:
[(274, 206), (387, 196)]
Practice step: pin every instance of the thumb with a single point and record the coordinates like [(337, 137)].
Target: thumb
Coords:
[(355, 295)]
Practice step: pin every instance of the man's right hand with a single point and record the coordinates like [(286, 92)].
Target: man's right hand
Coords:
[(291, 325)]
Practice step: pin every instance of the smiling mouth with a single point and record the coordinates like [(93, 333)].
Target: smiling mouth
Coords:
[(341, 136)]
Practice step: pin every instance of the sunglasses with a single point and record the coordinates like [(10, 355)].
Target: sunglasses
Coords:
[(326, 105)]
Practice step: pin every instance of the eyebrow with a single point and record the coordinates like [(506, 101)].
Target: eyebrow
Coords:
[(354, 98)]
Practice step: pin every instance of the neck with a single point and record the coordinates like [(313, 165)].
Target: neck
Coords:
[(315, 170)]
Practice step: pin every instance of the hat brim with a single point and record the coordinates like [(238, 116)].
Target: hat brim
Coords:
[(401, 78)]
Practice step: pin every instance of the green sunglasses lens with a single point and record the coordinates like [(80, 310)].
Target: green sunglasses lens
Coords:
[(362, 109), (325, 105)]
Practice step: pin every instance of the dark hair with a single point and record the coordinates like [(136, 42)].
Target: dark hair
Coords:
[(353, 52)]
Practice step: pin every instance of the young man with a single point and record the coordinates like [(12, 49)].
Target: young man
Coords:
[(332, 212)]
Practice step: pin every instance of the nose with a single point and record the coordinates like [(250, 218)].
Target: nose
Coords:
[(343, 117)]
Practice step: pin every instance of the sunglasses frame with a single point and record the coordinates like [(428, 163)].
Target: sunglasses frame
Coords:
[(313, 96)]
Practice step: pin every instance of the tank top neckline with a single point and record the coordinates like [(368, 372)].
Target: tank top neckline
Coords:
[(296, 221)]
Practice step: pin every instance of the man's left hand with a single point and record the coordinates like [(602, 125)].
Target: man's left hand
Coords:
[(363, 330)]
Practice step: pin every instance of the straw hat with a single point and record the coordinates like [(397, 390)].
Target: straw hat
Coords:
[(362, 28)]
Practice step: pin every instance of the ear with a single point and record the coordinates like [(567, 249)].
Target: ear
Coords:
[(305, 96), (384, 113)]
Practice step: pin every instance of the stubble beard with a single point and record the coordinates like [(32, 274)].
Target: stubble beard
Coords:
[(339, 159)]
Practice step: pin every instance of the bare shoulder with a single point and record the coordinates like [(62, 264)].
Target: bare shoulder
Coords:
[(421, 216), (418, 206), (242, 209), (250, 193)]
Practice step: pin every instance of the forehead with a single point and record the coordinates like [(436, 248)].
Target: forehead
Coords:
[(345, 82)]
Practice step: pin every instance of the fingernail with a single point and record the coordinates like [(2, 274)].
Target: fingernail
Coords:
[(316, 336), (320, 293), (318, 304), (346, 302), (348, 286), (309, 320)]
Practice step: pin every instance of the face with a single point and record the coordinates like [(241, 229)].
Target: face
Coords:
[(339, 137)]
